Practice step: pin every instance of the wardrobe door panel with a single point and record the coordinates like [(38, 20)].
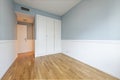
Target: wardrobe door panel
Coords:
[(40, 44), (50, 36), (57, 36)]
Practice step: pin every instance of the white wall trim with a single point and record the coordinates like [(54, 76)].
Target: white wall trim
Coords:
[(8, 55), (9, 66), (96, 41), (101, 54), (6, 41)]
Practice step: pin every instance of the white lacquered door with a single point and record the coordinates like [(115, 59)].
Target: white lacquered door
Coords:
[(57, 31), (40, 42), (50, 36), (21, 38)]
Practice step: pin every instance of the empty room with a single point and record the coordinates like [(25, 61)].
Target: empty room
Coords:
[(60, 39)]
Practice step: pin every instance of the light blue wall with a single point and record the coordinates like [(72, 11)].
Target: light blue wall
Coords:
[(92, 20), (34, 11), (7, 20)]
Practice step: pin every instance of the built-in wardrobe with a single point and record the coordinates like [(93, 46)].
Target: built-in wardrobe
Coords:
[(48, 35)]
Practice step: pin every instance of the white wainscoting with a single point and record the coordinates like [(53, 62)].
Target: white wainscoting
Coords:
[(101, 54), (7, 55)]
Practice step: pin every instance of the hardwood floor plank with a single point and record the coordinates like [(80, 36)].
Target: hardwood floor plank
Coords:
[(52, 67)]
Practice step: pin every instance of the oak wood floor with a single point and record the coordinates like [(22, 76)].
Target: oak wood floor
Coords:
[(52, 67)]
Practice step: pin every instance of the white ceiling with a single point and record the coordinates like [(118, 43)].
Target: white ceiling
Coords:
[(58, 7)]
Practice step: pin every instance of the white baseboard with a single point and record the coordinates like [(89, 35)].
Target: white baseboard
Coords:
[(101, 54), (8, 55)]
